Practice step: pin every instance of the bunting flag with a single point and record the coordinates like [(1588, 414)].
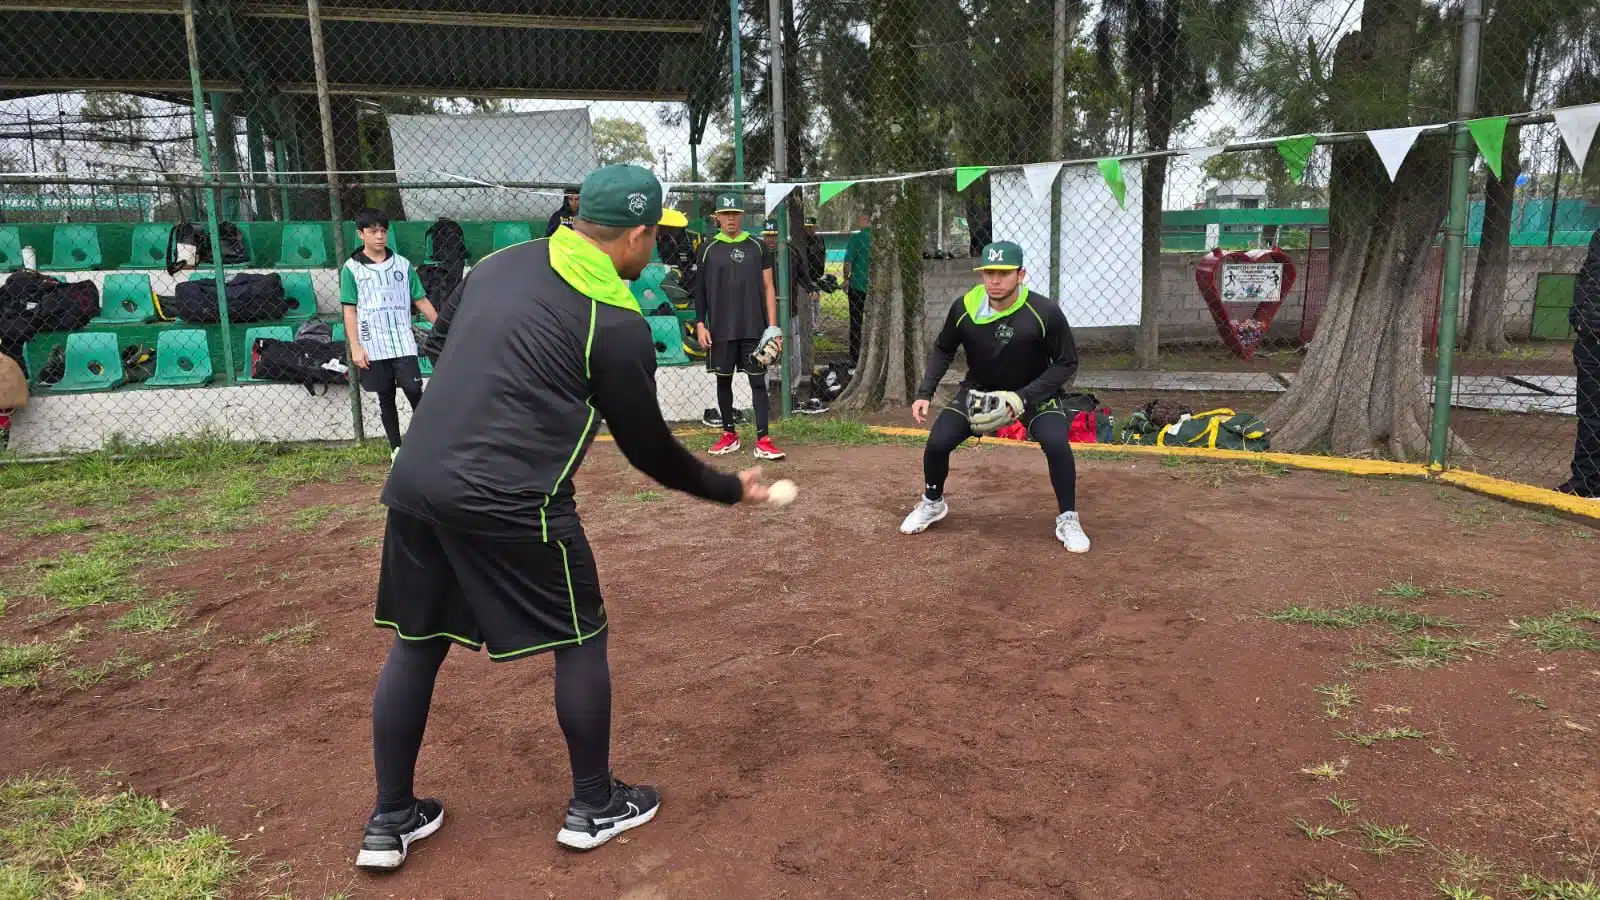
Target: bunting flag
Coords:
[(1490, 134), (1204, 153), (966, 175), (1111, 171), (1393, 145), (1577, 126), (1296, 153), (776, 194), (1040, 177), (830, 189)]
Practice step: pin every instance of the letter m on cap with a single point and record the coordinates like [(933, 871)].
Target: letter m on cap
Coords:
[(997, 255)]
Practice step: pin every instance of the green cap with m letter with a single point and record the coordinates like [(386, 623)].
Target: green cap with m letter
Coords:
[(730, 203), (624, 197), (999, 256)]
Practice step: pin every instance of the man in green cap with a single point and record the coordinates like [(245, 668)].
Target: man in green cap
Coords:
[(1020, 354), (736, 320), (483, 546)]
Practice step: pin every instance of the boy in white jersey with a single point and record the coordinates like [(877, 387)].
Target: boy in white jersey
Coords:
[(378, 289)]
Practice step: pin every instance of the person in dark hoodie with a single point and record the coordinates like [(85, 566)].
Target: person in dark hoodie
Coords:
[(1585, 319)]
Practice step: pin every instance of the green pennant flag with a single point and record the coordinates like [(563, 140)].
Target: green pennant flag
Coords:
[(1490, 134), (966, 175), (829, 190), (1296, 153), (1111, 171)]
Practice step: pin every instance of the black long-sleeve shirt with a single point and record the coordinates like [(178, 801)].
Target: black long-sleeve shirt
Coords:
[(730, 289), (1585, 314), (1027, 349), (530, 367)]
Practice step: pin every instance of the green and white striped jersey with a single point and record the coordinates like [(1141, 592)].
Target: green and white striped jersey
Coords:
[(382, 294)]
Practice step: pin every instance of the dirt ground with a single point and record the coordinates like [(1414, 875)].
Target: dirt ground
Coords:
[(833, 709)]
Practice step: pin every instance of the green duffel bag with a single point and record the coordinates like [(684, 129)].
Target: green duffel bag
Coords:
[(1216, 429)]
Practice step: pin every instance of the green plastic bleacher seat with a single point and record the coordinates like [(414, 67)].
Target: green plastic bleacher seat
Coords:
[(302, 296), (75, 248), (149, 247), (647, 287), (304, 247), (508, 233), (125, 299), (183, 359), (338, 332), (93, 363), (10, 248), (251, 334), (667, 335)]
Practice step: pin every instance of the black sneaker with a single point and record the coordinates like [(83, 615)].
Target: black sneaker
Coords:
[(389, 836), (587, 827), (1567, 487), (711, 419)]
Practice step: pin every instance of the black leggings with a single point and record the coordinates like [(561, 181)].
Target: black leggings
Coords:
[(758, 398), (405, 691), (390, 413), (1050, 429)]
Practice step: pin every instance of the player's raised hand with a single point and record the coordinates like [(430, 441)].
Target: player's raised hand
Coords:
[(754, 490), (919, 412)]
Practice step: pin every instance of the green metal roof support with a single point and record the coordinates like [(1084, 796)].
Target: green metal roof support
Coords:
[(203, 145)]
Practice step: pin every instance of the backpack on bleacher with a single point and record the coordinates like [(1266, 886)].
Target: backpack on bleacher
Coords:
[(251, 298), (189, 246), (304, 361), (447, 245)]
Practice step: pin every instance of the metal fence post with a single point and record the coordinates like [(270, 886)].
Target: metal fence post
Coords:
[(203, 145), (738, 95), (780, 167), (335, 208), (1455, 239)]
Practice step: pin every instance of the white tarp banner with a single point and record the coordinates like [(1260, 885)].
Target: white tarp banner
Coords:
[(546, 146), (1101, 276)]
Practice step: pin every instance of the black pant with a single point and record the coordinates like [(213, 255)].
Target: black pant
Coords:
[(1047, 423), (1586, 453), (858, 309)]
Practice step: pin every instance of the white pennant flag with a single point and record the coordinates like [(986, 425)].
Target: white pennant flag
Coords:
[(776, 194), (1040, 176), (1204, 153), (1393, 145), (1577, 126)]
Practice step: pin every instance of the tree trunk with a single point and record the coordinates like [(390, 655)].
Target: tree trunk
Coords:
[(1362, 390), (1486, 328), (1147, 345)]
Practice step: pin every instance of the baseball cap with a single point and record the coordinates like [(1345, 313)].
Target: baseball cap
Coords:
[(811, 221), (1000, 256), (730, 203), (771, 227), (625, 197)]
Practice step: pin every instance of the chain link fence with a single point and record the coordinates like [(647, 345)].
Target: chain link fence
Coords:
[(1256, 210)]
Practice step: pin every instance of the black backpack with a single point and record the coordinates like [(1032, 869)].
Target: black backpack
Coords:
[(31, 302), (251, 298), (304, 361), (448, 246), (187, 238)]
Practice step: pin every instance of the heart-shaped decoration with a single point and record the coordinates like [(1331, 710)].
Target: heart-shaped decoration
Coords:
[(1231, 281)]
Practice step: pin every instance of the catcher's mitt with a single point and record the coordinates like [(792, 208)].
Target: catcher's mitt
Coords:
[(768, 350), (989, 411)]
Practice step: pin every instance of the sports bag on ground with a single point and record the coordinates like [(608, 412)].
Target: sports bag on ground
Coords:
[(251, 298), (305, 362), (1217, 429)]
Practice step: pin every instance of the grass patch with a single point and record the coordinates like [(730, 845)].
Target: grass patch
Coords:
[(58, 841), (1425, 651), (300, 635), (22, 664), (153, 616), (1560, 631), (1370, 738), (84, 677), (1386, 840), (308, 518), (1327, 771), (1469, 593), (1336, 698), (639, 497), (1327, 889), (1316, 833), (1529, 699), (1404, 590), (59, 526), (1345, 805), (1534, 887), (79, 580), (1359, 614), (1459, 892)]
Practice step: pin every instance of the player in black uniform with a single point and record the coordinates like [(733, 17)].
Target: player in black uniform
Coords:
[(736, 318), (566, 214), (1020, 354), (483, 546)]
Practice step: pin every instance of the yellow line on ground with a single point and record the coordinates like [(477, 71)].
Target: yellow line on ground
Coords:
[(1520, 493)]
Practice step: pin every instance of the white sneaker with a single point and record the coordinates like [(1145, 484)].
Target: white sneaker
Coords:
[(926, 513), (1070, 533)]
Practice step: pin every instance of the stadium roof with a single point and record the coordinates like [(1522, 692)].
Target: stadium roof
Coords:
[(575, 49)]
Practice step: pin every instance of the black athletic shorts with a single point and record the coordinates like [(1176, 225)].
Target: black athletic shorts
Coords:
[(513, 597), (728, 357), (380, 375)]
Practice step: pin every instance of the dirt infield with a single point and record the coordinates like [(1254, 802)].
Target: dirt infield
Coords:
[(833, 709)]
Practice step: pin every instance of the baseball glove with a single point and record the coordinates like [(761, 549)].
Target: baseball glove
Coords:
[(989, 411), (768, 350)]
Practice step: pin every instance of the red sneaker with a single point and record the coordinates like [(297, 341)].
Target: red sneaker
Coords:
[(727, 444), (765, 449)]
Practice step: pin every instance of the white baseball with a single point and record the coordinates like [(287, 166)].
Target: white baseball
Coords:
[(782, 493)]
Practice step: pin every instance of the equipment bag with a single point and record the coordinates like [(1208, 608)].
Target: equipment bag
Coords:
[(1092, 426), (1217, 429), (66, 307), (306, 362), (189, 246), (138, 363), (251, 298)]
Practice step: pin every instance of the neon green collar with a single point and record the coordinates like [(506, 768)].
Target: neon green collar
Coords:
[(589, 272), (974, 301), (720, 236)]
